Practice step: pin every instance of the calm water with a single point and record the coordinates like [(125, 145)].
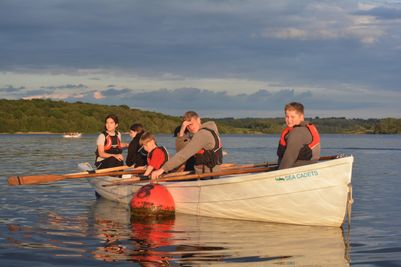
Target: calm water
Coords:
[(62, 224)]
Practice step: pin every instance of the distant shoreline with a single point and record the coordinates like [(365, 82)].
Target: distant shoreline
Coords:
[(44, 133), (33, 133)]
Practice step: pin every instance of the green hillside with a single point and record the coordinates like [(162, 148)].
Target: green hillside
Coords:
[(43, 115)]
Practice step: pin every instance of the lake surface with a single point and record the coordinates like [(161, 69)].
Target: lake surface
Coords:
[(63, 224)]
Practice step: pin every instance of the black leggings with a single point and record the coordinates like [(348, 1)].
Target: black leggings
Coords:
[(109, 163)]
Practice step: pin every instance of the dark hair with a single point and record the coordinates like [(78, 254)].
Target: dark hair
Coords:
[(137, 127), (295, 106), (111, 116), (178, 129)]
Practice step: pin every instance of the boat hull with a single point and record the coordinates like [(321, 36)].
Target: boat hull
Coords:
[(75, 135), (315, 194)]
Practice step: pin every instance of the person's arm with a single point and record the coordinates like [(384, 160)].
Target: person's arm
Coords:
[(184, 126), (138, 157), (202, 139), (130, 160), (181, 142), (155, 163), (149, 170), (123, 145), (100, 149), (295, 142)]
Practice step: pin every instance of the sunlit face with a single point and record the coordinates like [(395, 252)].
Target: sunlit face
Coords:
[(293, 117), (194, 125), (149, 145), (111, 125)]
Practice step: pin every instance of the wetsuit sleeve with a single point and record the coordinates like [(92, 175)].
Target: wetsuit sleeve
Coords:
[(158, 158), (131, 153), (202, 139), (181, 142)]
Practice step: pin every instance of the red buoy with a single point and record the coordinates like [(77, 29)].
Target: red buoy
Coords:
[(152, 200)]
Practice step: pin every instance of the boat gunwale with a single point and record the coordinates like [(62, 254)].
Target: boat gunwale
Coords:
[(237, 178)]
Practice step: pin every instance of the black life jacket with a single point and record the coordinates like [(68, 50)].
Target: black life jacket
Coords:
[(166, 156), (213, 157), (112, 144), (306, 151)]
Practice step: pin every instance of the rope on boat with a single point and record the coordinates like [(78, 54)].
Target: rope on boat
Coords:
[(349, 205), (350, 201)]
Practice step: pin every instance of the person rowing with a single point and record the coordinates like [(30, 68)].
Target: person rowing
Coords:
[(205, 145), (157, 155)]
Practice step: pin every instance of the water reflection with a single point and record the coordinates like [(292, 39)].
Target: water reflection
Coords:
[(191, 240), (104, 232)]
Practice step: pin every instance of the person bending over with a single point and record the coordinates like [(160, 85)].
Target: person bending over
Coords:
[(157, 155), (205, 145)]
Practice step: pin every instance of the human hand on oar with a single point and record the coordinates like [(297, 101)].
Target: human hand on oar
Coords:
[(171, 177), (47, 178), (225, 167), (142, 178)]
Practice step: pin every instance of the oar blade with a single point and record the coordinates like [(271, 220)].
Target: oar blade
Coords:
[(34, 179)]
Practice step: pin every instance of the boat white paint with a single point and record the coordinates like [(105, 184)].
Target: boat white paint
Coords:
[(315, 194), (72, 135)]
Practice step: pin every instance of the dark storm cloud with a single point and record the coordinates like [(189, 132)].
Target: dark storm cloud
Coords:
[(190, 38), (66, 86), (317, 44), (384, 13), (11, 89), (115, 92), (198, 99)]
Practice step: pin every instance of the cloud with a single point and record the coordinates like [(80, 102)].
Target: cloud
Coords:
[(54, 92), (382, 12), (198, 99), (115, 92), (91, 49), (11, 89), (328, 21), (66, 86), (98, 95)]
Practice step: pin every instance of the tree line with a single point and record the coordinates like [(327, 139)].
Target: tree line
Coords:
[(45, 115)]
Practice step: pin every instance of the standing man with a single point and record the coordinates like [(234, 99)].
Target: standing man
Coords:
[(300, 141), (205, 145)]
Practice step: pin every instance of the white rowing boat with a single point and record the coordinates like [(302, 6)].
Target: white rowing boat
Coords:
[(315, 194), (72, 135)]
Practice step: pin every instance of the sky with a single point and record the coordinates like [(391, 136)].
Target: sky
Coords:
[(221, 58)]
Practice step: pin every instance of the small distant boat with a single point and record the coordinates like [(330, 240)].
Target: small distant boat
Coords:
[(315, 194), (72, 135)]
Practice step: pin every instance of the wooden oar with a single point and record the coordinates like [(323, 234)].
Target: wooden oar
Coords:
[(225, 166), (214, 174), (229, 169), (140, 178), (168, 178), (46, 178), (40, 179)]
